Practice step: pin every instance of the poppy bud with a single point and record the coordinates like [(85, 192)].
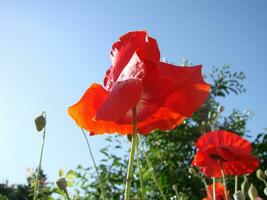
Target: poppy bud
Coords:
[(191, 170), (239, 196), (261, 175), (62, 184), (220, 109), (265, 191), (174, 187), (40, 122), (252, 192), (245, 187)]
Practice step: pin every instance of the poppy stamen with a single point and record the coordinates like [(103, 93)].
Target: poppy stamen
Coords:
[(216, 157)]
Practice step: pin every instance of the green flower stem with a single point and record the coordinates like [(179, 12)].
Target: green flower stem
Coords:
[(67, 195), (131, 158), (140, 172), (151, 170), (213, 188), (176, 193), (92, 157), (203, 180), (236, 184), (224, 182), (36, 186)]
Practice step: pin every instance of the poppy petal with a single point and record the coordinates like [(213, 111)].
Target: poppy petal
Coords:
[(223, 138), (86, 108), (123, 97), (166, 103), (245, 165), (220, 195), (219, 150), (163, 120), (190, 90), (180, 74), (84, 113), (123, 50)]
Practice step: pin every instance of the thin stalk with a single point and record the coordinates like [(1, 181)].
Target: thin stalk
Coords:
[(140, 172), (236, 184), (224, 182), (67, 195), (36, 187), (97, 173), (131, 158), (176, 192), (152, 171), (213, 188), (203, 181)]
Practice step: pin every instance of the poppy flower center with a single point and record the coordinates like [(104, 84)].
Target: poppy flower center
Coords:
[(219, 153), (216, 157)]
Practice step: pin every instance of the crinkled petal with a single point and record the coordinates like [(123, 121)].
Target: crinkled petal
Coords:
[(181, 74), (212, 168), (85, 109), (123, 97), (233, 151), (226, 139), (123, 50), (189, 89), (162, 120), (165, 103), (219, 192), (245, 165), (84, 113), (208, 166)]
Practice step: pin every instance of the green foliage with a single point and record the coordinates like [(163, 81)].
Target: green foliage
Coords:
[(112, 170), (2, 197), (13, 192), (25, 191), (225, 82)]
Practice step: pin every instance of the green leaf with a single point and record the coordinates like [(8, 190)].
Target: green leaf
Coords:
[(71, 174)]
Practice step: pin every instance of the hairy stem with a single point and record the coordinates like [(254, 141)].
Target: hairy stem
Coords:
[(67, 195), (151, 170), (236, 184), (131, 158), (224, 182), (213, 188), (97, 173), (36, 186), (140, 171)]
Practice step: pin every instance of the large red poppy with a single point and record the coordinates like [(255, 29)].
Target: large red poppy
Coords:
[(219, 192), (163, 94), (223, 149)]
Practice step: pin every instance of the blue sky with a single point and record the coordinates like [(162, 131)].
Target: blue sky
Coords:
[(51, 51)]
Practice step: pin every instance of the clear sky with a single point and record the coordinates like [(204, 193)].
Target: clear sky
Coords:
[(51, 51)]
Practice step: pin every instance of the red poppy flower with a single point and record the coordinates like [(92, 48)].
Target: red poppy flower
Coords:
[(219, 192), (163, 94), (224, 149)]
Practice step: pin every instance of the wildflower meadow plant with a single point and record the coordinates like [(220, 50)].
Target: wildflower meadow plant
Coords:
[(219, 191), (40, 123), (221, 153), (140, 94)]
